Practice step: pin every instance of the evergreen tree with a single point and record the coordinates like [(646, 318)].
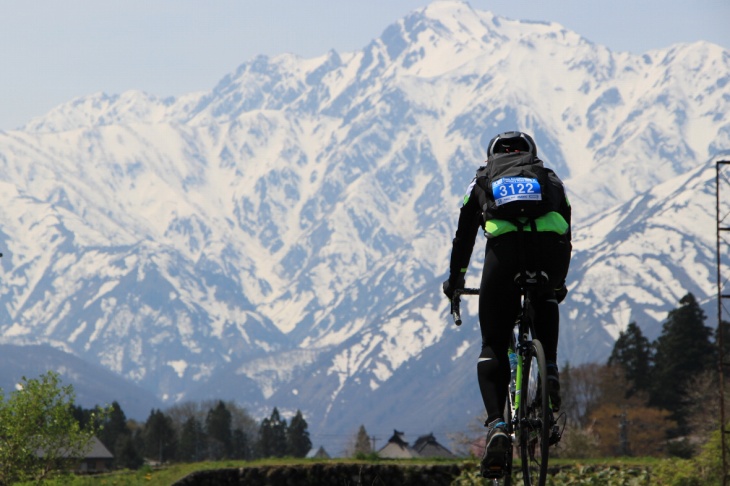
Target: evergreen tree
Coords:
[(240, 447), (633, 352), (192, 438), (83, 416), (159, 437), (218, 428), (362, 442), (245, 429), (126, 454), (298, 442), (117, 437), (683, 352), (114, 426), (272, 436)]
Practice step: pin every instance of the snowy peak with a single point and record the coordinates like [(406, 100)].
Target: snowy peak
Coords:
[(434, 40)]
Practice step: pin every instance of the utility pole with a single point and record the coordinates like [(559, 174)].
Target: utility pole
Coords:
[(722, 191), (373, 439)]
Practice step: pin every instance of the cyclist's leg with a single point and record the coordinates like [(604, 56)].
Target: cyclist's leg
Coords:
[(555, 259), (496, 319), (547, 325), (498, 307), (551, 253)]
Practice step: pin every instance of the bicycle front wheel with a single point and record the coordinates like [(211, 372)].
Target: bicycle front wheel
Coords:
[(534, 417)]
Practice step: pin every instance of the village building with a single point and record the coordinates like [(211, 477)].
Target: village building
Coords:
[(397, 448), (425, 446), (428, 446), (318, 453), (98, 459)]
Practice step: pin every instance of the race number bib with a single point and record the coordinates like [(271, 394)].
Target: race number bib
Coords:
[(510, 189)]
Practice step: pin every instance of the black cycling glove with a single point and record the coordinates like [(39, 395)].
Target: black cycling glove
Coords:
[(452, 284)]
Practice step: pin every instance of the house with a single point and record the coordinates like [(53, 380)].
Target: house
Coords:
[(397, 448), (428, 446), (318, 453), (98, 459), (425, 446)]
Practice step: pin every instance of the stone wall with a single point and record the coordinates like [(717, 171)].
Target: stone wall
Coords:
[(324, 474)]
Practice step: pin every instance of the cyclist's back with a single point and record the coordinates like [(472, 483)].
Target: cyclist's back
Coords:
[(539, 241)]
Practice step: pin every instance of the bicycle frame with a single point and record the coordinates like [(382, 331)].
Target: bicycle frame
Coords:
[(518, 344), (527, 412)]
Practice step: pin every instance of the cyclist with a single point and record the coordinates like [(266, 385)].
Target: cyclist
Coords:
[(542, 243)]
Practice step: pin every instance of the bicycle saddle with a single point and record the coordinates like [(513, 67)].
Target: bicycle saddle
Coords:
[(531, 278)]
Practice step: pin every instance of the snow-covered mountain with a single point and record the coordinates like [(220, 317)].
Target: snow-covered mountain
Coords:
[(281, 239)]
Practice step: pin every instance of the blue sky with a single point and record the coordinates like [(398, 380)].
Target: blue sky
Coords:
[(52, 51)]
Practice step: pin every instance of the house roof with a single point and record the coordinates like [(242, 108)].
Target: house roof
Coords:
[(397, 438), (98, 450), (318, 453), (428, 446), (397, 448), (425, 446)]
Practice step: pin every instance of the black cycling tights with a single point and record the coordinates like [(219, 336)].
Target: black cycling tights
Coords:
[(499, 305)]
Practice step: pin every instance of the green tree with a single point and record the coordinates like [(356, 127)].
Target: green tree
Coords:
[(40, 433), (705, 468), (633, 353), (272, 436), (362, 443), (297, 435), (240, 447), (114, 426), (245, 429), (84, 416), (194, 443), (192, 438), (159, 437), (218, 428), (127, 453), (683, 352), (116, 435)]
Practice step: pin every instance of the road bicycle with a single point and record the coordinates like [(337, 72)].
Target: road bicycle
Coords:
[(528, 413)]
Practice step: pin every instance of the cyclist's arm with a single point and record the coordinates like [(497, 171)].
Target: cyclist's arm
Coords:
[(565, 209), (566, 212), (466, 232)]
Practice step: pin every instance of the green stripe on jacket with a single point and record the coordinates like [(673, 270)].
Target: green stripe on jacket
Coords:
[(552, 221)]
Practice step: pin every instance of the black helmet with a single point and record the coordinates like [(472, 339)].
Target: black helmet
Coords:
[(512, 142)]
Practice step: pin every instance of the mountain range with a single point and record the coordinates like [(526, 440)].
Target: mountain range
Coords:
[(280, 239)]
